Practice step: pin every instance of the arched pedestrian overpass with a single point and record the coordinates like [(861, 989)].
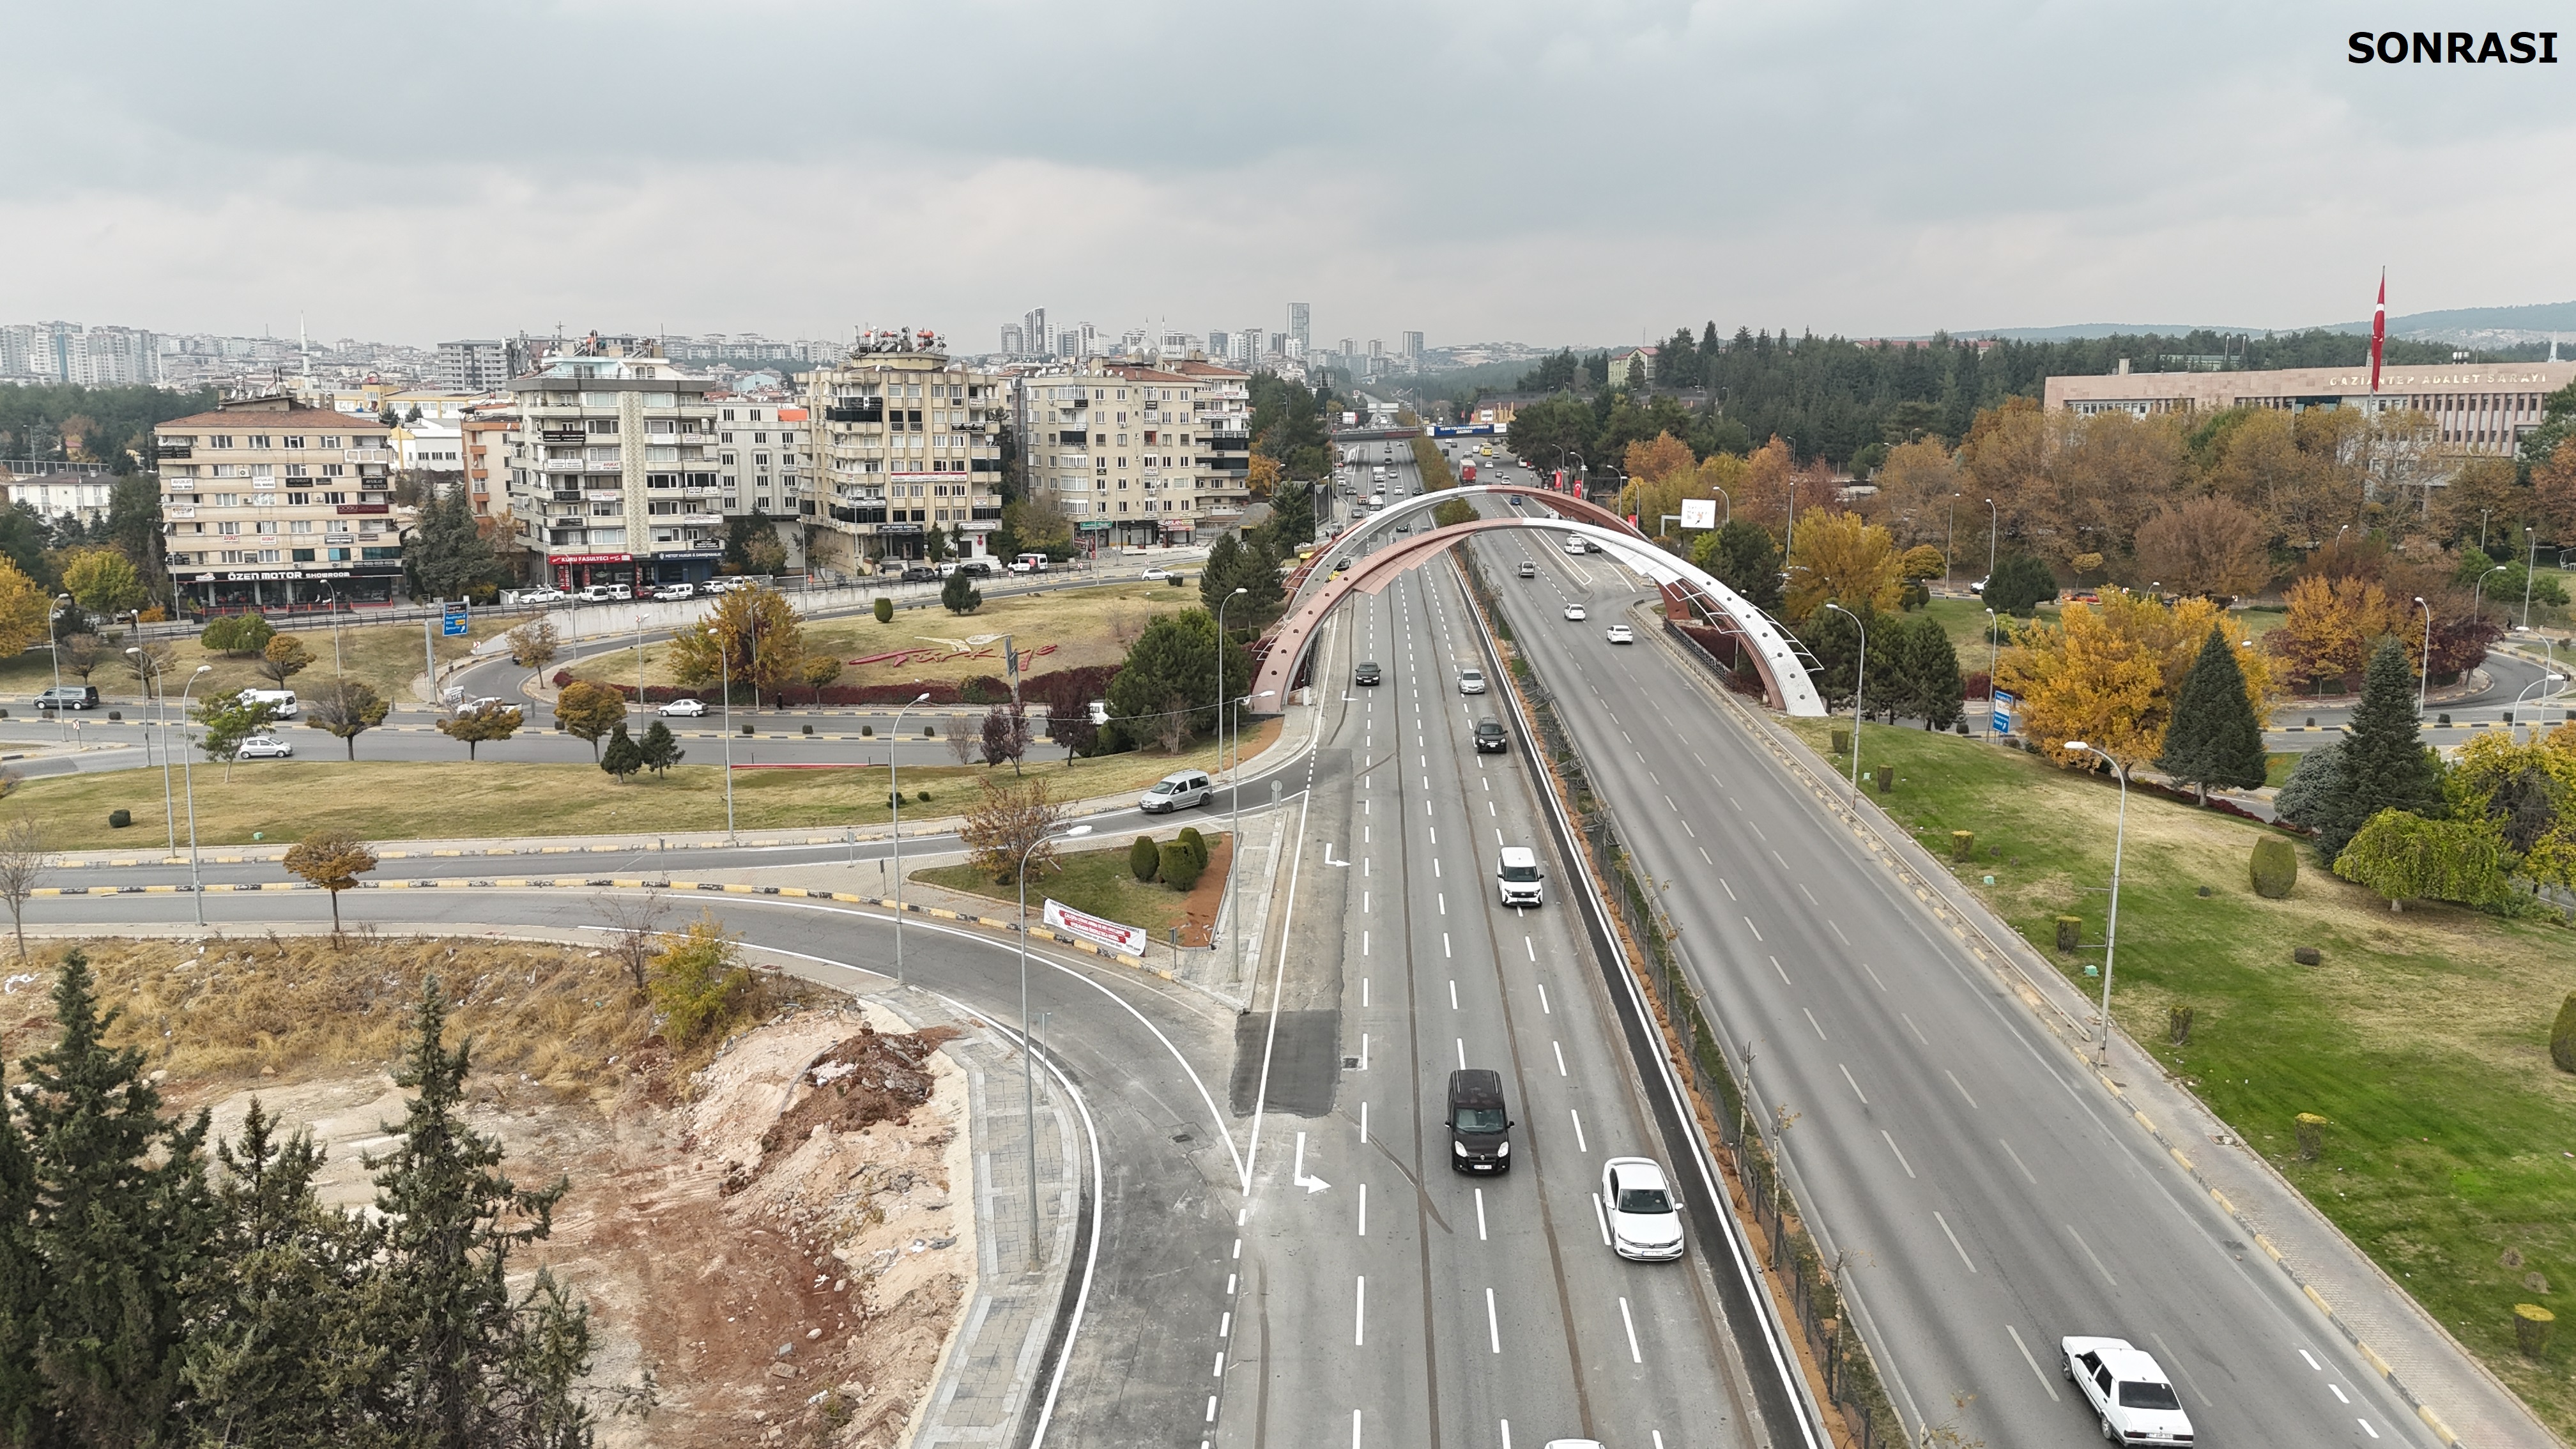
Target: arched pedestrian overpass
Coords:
[(1785, 677)]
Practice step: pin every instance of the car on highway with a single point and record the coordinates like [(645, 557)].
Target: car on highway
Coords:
[(1574, 546), (1178, 789), (683, 708), (672, 593), (1480, 1126), (1471, 681), (1637, 1204), (1622, 634), (1364, 674), (69, 696), (1518, 879), (2128, 1392), (1490, 739), (1575, 612), (265, 747)]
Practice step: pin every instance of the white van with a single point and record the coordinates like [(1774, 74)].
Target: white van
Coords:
[(280, 702), (1518, 877), (1174, 791)]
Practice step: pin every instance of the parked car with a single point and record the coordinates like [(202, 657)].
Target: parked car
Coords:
[(976, 567), (1622, 634), (1471, 681), (1157, 575), (1365, 674), (920, 574), (69, 696), (2128, 1392), (1574, 612), (672, 593), (539, 596), (1518, 879), (266, 747), (1490, 739), (1174, 791), (1480, 1126), (1645, 1222), (683, 708)]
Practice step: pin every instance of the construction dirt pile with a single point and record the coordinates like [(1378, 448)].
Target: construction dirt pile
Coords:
[(769, 1245)]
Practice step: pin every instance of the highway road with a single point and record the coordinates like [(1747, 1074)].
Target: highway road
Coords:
[(1406, 1303), (1985, 1195)]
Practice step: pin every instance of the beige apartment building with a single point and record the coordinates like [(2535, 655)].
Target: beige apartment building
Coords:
[(269, 505), (2478, 408), (763, 450), (1128, 451), (612, 479), (904, 441)]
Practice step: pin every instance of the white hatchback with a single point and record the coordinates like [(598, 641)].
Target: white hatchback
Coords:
[(1574, 612), (1638, 1210), (1471, 681), (266, 747), (1622, 634)]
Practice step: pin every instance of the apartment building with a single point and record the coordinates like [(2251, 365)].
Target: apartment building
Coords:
[(266, 504), (904, 440), (56, 490), (612, 471), (473, 364), (763, 449), (483, 437), (1223, 409), (1126, 450)]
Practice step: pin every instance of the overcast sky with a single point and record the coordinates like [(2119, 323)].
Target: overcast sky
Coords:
[(1565, 172)]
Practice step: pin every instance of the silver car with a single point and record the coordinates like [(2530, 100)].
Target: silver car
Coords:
[(1176, 790), (1471, 681)]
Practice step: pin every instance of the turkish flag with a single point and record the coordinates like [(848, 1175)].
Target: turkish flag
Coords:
[(2378, 329)]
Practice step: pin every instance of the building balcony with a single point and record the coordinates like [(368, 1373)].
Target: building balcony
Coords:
[(178, 510), (603, 495), (702, 520), (562, 465), (175, 450), (564, 435), (378, 456)]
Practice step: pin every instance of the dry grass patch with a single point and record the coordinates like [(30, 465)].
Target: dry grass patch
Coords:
[(384, 657)]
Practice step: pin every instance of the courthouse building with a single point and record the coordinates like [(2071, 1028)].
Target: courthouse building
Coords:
[(2480, 408)]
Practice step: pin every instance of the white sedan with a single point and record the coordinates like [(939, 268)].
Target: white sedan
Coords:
[(1157, 575), (1622, 634), (2129, 1393), (683, 708), (1638, 1210), (540, 596), (266, 747), (1575, 612)]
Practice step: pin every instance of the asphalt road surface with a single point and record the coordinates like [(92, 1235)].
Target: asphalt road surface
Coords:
[(1985, 1197)]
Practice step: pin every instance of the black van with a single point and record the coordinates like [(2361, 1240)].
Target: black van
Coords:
[(1480, 1129)]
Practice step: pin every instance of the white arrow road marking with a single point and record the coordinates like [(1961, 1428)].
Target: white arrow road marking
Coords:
[(1299, 1175)]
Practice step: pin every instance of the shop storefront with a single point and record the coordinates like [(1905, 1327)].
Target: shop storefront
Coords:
[(571, 571), (325, 585), (682, 568)]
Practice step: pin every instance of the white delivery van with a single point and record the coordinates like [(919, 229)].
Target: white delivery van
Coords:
[(280, 702)]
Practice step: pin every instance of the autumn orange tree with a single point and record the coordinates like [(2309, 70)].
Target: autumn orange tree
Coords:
[(2331, 624), (2108, 673), (2209, 546), (1840, 557), (1917, 488), (1651, 500)]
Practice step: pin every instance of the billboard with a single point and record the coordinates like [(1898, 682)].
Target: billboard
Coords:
[(1696, 513), (1095, 929)]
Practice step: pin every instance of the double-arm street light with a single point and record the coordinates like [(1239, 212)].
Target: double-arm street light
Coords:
[(1859, 680), (2111, 934), (894, 795), (1028, 1076), (150, 668), (188, 784)]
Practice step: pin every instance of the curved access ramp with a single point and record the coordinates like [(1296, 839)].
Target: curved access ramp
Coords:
[(1784, 676)]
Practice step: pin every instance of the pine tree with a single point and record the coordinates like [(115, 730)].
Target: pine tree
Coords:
[(621, 758), (445, 552), (659, 749), (120, 1223), (2384, 764), (1924, 678), (21, 1281), (2214, 738), (464, 1364)]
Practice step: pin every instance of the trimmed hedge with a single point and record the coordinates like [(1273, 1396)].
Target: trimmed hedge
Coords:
[(2562, 1035), (1180, 868), (2274, 867), (1196, 844), (1145, 858), (1092, 683)]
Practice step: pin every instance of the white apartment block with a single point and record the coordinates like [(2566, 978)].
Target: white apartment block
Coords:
[(87, 356), (475, 364), (904, 440), (763, 451), (612, 471), (1130, 453), (54, 490), (266, 504)]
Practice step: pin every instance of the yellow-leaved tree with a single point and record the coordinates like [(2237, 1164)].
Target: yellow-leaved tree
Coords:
[(2331, 625), (1720, 477), (25, 612), (1654, 459), (1843, 558), (2108, 673)]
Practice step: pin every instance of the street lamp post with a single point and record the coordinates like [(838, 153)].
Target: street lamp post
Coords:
[(1993, 658), (2528, 567), (161, 718), (1730, 503), (2478, 590), (1234, 820), (724, 673), (1860, 679), (55, 648), (1949, 539), (894, 795), (2424, 669), (2111, 934), (1028, 1071), (2541, 684), (188, 783), (1994, 527)]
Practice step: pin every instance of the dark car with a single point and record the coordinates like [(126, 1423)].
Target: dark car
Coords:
[(1480, 1127), (85, 696), (980, 568), (1490, 739), (920, 574), (1364, 674)]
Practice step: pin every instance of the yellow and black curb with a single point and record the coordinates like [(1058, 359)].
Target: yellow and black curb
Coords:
[(566, 882)]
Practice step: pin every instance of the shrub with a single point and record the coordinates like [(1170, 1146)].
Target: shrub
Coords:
[(2070, 932), (1179, 868), (1963, 844), (2274, 867), (2178, 1025), (2562, 1035), (1197, 844), (700, 986), (119, 819), (884, 610), (1144, 858), (238, 634), (2307, 955)]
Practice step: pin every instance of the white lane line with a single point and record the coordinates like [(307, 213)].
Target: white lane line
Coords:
[(1954, 1241), (1730, 890), (1532, 948), (1507, 1432), (1443, 898), (1630, 1323), (1602, 1215), (1219, 1371), (1775, 856), (2365, 1428), (1811, 1021), (1783, 970), (1686, 830), (1669, 805), (1756, 930), (1493, 1327), (2034, 1363), (1462, 1054), (1855, 1086), (2337, 1391), (1364, 895), (2312, 1362), (1355, 1429), (1435, 867), (2016, 1161), (2088, 1252), (1363, 1210), (1364, 1051), (1900, 1153), (1489, 808), (1918, 1031), (1364, 950), (1359, 1318), (1811, 898), (1579, 1144), (1962, 1086), (1559, 1049), (1453, 993), (1838, 930), (1703, 855), (1364, 1128), (1444, 936), (1480, 1215), (1543, 1008), (1225, 1326)]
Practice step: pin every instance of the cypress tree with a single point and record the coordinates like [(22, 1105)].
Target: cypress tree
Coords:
[(2214, 738), (659, 749), (621, 758), (2384, 764), (119, 1225), (20, 1281)]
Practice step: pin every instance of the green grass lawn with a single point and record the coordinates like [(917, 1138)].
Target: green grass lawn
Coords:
[(1097, 882), (2424, 1036), (2277, 767), (385, 657)]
